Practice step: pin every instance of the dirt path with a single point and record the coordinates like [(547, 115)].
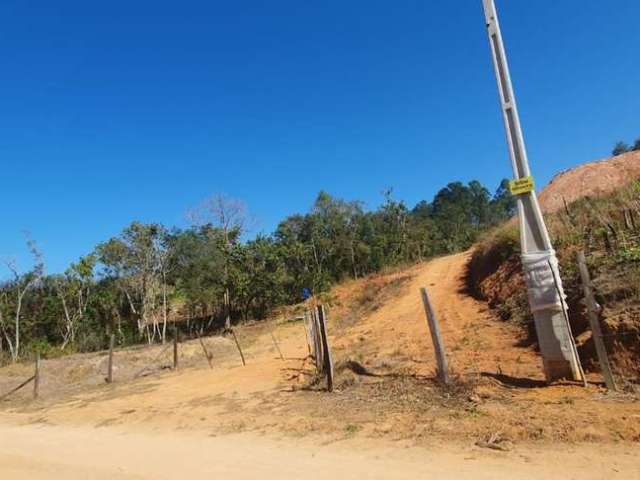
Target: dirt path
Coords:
[(475, 341), (84, 453)]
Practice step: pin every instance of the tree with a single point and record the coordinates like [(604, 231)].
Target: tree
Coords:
[(135, 260), (73, 289), (14, 301), (620, 148), (392, 228), (457, 216), (503, 203), (197, 268), (229, 215), (636, 145)]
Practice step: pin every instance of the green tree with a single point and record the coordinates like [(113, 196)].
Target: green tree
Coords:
[(134, 260), (620, 148), (503, 203)]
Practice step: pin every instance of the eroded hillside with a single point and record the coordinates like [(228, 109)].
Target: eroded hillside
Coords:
[(596, 209)]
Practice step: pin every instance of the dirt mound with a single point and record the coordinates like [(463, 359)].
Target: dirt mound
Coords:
[(591, 179)]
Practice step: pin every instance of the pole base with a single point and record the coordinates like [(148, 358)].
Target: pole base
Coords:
[(557, 347), (560, 370)]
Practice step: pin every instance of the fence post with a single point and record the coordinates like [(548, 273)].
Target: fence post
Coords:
[(175, 346), (275, 341), (110, 364), (238, 345), (436, 338), (317, 341), (307, 329), (326, 351), (592, 314), (204, 349), (36, 377)]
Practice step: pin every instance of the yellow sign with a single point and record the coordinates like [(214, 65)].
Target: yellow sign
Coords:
[(521, 186)]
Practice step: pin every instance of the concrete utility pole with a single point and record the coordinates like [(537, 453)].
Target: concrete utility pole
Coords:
[(540, 265)]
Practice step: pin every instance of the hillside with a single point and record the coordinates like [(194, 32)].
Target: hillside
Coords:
[(593, 179), (593, 208), (387, 402), (384, 388)]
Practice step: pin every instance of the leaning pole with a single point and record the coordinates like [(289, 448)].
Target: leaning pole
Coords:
[(539, 262)]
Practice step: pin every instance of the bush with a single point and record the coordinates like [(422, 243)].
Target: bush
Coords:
[(620, 148)]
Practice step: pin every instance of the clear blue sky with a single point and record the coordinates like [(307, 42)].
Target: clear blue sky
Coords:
[(115, 111)]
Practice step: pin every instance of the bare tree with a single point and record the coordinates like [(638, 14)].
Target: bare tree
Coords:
[(73, 289), (230, 216), (22, 284)]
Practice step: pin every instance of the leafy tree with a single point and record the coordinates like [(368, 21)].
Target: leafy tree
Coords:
[(134, 260), (230, 216), (503, 203)]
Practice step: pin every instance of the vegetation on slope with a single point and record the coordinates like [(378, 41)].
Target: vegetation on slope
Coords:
[(206, 275), (608, 230)]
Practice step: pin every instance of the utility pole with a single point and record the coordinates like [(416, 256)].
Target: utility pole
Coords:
[(539, 262)]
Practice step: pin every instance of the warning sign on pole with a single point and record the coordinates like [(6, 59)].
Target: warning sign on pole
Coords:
[(521, 185)]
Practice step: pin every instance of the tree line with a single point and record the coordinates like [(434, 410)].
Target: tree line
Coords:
[(208, 276)]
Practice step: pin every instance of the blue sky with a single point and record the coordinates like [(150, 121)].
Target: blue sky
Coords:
[(115, 111)]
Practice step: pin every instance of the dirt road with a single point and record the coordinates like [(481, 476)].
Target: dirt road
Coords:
[(32, 452), (475, 340)]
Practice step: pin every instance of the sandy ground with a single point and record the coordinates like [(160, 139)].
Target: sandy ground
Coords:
[(270, 419), (83, 453)]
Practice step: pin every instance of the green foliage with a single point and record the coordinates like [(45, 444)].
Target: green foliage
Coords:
[(620, 148), (132, 283), (630, 254)]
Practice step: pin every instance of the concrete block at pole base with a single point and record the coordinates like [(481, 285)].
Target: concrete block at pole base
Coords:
[(555, 343), (548, 305)]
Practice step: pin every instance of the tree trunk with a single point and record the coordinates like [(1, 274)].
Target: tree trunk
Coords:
[(16, 347), (353, 260), (227, 307), (6, 336), (69, 327), (164, 308)]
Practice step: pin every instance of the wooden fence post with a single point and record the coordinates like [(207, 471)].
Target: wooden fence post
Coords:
[(326, 351), (175, 346), (206, 352), (112, 339), (317, 341), (592, 314), (307, 329), (36, 377), (275, 342), (238, 345), (436, 338)]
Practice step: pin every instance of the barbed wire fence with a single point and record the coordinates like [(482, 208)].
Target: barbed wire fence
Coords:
[(168, 355)]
